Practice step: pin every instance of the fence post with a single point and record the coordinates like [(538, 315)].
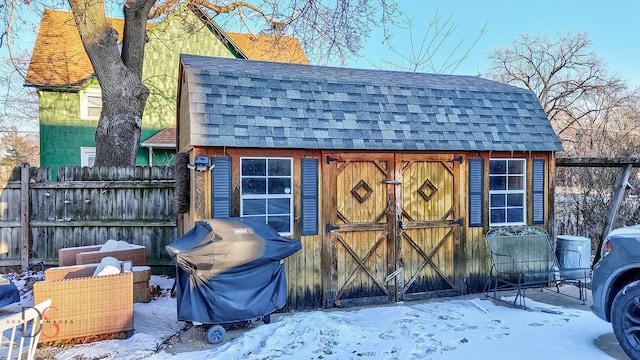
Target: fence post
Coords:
[(24, 216), (616, 200)]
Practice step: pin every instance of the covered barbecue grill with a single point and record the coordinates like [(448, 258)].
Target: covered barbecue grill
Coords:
[(229, 272)]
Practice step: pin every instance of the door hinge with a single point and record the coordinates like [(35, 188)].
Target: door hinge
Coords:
[(458, 222), (330, 159), (457, 159), (330, 227)]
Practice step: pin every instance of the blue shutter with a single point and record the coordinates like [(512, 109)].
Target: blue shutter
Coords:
[(309, 184), (537, 180), (476, 189), (221, 187)]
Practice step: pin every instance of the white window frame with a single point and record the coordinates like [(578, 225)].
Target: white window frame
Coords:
[(268, 196), (85, 104), (87, 156), (508, 191)]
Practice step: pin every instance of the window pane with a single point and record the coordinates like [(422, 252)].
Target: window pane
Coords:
[(516, 167), (516, 183), (263, 218), (254, 167), (267, 191), (497, 216), (498, 167), (515, 200), (91, 158), (497, 200), (94, 112), (254, 186), (280, 186), (279, 167), (280, 223), (515, 215), (497, 183), (94, 101), (279, 206), (254, 207)]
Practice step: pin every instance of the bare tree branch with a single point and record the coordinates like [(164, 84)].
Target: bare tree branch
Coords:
[(569, 80), (429, 54), (330, 31)]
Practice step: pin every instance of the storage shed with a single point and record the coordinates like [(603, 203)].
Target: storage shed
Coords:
[(389, 179)]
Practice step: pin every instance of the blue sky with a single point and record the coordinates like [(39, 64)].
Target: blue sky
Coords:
[(613, 27)]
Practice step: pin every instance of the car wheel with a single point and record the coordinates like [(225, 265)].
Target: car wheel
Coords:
[(625, 318)]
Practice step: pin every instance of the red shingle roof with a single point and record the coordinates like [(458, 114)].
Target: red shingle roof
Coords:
[(284, 49), (58, 55), (163, 138), (59, 58)]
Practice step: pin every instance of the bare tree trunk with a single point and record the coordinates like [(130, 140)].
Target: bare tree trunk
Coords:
[(123, 94)]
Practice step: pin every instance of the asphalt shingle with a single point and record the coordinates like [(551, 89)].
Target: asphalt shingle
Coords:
[(267, 104)]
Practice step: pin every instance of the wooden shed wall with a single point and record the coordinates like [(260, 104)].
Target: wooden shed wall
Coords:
[(303, 269), (478, 260), (309, 279)]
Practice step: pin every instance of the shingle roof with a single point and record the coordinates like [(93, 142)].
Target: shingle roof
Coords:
[(163, 138), (59, 58), (58, 55), (270, 48), (243, 103)]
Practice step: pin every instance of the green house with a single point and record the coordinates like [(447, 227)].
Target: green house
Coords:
[(69, 92)]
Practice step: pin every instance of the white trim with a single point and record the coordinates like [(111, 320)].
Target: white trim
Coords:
[(95, 94), (522, 191), (268, 196), (87, 156)]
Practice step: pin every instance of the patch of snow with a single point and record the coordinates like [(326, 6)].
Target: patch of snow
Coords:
[(453, 328)]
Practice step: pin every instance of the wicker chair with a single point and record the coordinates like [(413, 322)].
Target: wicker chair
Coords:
[(84, 305), (92, 254)]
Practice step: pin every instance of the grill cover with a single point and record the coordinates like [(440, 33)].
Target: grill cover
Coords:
[(230, 270)]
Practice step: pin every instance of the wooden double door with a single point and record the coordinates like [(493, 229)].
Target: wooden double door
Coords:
[(392, 227)]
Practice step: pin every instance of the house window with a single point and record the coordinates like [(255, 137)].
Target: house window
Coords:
[(507, 192), (90, 104), (87, 156), (266, 191)]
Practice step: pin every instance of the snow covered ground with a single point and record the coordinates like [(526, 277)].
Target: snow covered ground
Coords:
[(453, 328)]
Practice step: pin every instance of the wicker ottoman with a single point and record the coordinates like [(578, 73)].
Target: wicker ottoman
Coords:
[(141, 290)]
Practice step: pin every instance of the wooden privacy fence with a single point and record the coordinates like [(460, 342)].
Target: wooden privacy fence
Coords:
[(85, 206)]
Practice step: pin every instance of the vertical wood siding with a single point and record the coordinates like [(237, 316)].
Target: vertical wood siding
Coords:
[(435, 224)]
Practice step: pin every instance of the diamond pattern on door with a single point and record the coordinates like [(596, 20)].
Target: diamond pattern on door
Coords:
[(361, 240), (427, 240), (362, 191), (392, 227)]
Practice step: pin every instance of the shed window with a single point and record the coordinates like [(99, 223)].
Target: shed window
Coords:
[(90, 104), (507, 192), (266, 191)]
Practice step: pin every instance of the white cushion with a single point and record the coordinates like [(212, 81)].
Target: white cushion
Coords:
[(108, 266), (110, 245), (123, 245)]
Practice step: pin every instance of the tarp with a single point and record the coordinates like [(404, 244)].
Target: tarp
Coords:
[(230, 270), (9, 294)]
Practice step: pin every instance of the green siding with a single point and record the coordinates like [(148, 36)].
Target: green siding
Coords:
[(180, 33), (62, 133)]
